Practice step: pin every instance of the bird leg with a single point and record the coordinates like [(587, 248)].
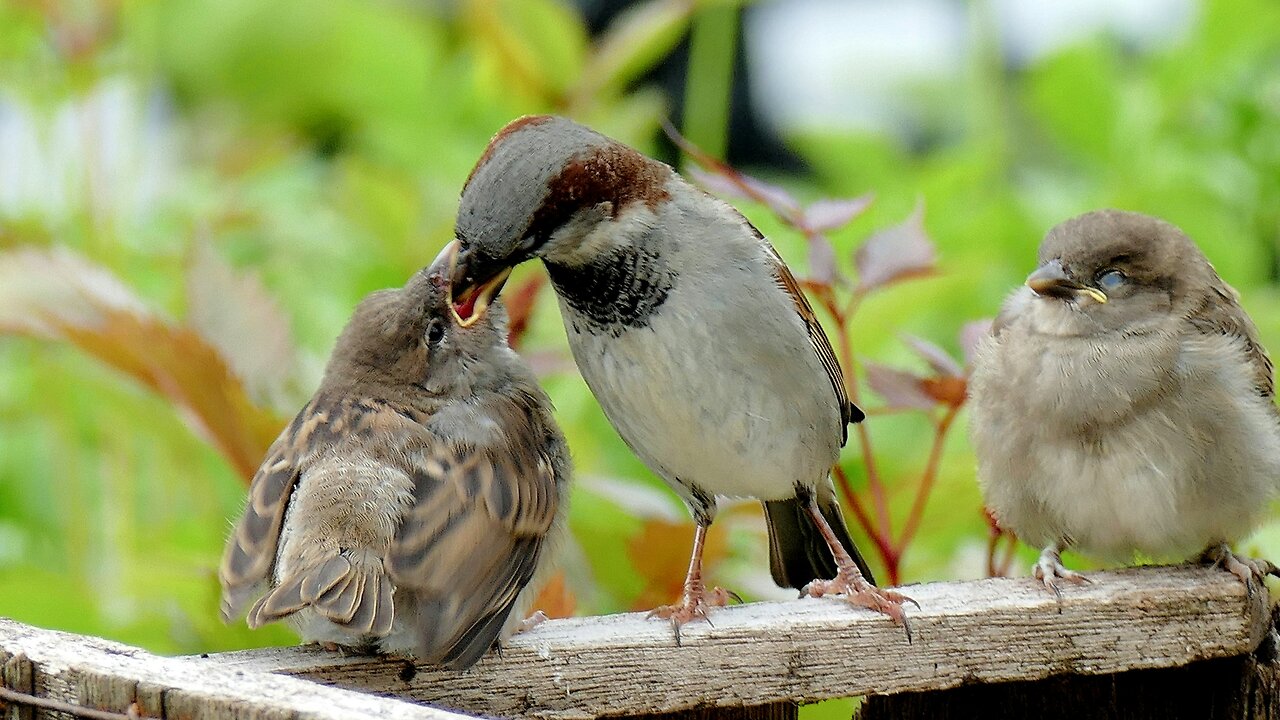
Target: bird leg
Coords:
[(537, 618), (1049, 568), (696, 600), (849, 581), (1246, 568)]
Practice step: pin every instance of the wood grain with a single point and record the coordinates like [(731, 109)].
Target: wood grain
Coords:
[(96, 673), (987, 631)]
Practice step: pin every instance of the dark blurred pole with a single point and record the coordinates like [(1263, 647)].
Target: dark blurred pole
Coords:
[(750, 142)]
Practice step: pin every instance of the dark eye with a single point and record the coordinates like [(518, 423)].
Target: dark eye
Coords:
[(435, 332), (1111, 280)]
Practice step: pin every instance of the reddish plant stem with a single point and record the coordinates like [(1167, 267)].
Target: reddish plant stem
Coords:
[(883, 546), (929, 477), (845, 350)]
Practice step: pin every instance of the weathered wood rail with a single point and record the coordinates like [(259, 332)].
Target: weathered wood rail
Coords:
[(989, 637)]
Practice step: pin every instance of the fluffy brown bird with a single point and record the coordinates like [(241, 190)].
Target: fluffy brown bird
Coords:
[(409, 507), (1123, 402), (690, 331)]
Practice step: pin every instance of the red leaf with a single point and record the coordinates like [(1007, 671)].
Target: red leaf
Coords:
[(938, 359), (822, 259), (897, 253), (58, 295), (899, 388), (824, 215), (718, 177), (519, 304), (971, 335), (236, 314), (947, 390)]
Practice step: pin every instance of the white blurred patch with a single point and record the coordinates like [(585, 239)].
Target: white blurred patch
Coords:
[(110, 152)]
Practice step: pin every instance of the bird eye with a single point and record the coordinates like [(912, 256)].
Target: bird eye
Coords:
[(1111, 280), (435, 332)]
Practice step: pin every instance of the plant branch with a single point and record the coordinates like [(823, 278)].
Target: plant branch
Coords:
[(929, 477)]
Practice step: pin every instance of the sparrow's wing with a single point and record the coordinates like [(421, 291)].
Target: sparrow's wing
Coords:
[(251, 549), (817, 338), (483, 505), (1220, 314)]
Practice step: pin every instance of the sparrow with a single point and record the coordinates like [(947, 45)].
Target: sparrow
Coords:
[(689, 330), (411, 506), (1123, 403)]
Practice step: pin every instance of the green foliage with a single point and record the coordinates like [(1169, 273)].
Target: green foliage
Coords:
[(318, 148)]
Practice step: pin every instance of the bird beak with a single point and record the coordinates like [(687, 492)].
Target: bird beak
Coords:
[(1051, 280), (469, 299)]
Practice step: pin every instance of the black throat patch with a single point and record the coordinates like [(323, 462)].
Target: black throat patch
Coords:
[(615, 292)]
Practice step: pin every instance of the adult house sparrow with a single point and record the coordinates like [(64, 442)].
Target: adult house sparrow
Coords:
[(690, 331), (1123, 403), (409, 507)]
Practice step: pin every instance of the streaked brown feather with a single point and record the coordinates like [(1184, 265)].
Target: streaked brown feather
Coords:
[(817, 336), (472, 538), (251, 553), (1219, 313)]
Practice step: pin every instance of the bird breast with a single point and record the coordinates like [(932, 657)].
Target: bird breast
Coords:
[(1154, 443), (719, 386)]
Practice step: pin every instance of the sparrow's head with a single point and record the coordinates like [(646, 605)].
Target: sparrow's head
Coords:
[(540, 189), (407, 341), (1121, 270)]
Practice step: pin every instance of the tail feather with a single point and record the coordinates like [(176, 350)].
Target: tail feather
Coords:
[(798, 553), (356, 596)]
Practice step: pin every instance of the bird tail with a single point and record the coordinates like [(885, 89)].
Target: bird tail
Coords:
[(797, 551), (352, 593)]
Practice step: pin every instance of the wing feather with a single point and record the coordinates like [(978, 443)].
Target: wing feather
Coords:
[(475, 532), (849, 413)]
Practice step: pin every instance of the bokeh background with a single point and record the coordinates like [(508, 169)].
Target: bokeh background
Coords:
[(195, 193)]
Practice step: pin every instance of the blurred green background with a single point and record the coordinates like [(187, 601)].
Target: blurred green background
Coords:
[(194, 194)]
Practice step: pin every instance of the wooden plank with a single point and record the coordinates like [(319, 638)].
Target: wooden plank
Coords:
[(95, 673), (998, 630), (1236, 688)]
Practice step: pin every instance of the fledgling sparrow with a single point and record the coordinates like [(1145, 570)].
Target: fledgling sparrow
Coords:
[(690, 331), (409, 507), (1123, 402)]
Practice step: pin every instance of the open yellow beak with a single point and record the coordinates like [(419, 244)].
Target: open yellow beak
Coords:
[(468, 304)]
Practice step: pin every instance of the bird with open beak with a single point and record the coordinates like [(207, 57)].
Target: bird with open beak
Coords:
[(411, 505), (1123, 403), (690, 331)]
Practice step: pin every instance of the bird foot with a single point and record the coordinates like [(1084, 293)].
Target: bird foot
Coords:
[(537, 618), (1249, 570), (1049, 569), (693, 606), (855, 590)]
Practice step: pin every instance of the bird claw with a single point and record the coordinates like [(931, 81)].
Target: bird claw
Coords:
[(1049, 568), (693, 606), (1249, 570), (855, 590), (537, 618)]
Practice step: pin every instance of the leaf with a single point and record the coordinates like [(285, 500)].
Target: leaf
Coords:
[(832, 214), (58, 295), (540, 45), (556, 599), (895, 254), (952, 391), (719, 178), (822, 259), (660, 552), (971, 335), (519, 304), (638, 499), (635, 41), (937, 358), (899, 388), (245, 324)]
